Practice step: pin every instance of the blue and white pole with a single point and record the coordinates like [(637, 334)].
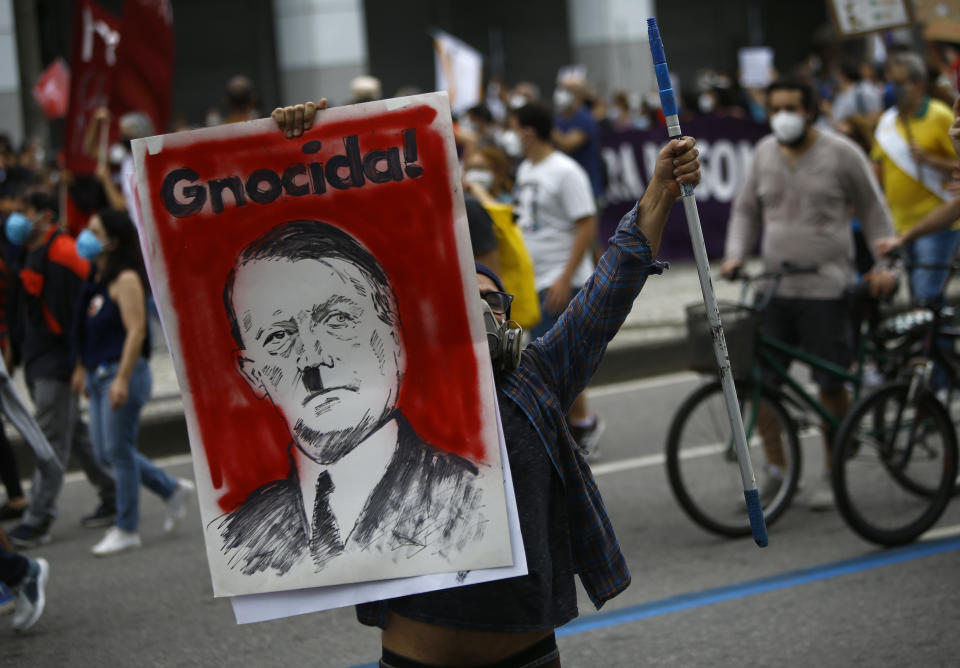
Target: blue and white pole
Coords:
[(669, 103)]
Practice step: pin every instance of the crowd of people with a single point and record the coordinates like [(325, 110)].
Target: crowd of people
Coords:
[(854, 149)]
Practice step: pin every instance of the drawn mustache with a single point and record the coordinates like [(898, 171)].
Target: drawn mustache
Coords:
[(313, 383), (311, 379)]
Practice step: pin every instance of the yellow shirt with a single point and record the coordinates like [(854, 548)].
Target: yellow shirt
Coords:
[(908, 199), (516, 268)]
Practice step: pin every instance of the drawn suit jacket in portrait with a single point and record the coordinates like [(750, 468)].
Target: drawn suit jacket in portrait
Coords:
[(426, 500)]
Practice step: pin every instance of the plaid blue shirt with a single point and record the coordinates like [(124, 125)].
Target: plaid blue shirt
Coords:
[(553, 371)]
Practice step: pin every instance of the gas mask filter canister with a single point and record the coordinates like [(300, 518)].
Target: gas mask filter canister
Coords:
[(504, 340)]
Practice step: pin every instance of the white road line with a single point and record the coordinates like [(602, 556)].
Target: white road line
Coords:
[(643, 384), (627, 464), (942, 532)]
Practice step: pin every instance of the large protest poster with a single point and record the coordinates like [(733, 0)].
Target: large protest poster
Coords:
[(726, 149), (335, 374)]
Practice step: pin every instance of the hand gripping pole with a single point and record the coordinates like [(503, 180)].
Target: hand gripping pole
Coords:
[(669, 103)]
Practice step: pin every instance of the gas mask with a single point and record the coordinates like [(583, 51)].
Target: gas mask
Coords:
[(503, 340)]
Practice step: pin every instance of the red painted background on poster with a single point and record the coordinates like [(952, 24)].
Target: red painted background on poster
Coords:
[(407, 225)]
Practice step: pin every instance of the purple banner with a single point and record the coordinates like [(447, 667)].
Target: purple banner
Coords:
[(726, 149)]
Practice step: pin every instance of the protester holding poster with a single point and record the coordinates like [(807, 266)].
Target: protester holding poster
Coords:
[(335, 354), (316, 354), (564, 524)]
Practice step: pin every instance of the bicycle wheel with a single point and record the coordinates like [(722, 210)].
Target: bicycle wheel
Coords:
[(701, 459), (894, 465)]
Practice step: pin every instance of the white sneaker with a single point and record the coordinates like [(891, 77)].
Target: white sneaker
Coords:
[(116, 540), (821, 498), (177, 504), (30, 595)]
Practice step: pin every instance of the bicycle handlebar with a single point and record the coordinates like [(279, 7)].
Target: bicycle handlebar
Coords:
[(772, 275), (786, 269)]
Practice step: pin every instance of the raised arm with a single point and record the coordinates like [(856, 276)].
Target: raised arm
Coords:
[(573, 348)]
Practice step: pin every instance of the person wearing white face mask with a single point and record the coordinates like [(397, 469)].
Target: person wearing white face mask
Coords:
[(799, 191)]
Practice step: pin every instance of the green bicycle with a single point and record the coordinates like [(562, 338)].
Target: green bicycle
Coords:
[(701, 463)]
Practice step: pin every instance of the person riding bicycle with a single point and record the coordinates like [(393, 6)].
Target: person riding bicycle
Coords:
[(800, 190)]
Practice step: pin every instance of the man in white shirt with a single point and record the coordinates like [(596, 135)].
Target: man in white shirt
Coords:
[(557, 213)]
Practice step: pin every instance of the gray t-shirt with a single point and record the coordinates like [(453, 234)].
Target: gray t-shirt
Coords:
[(804, 207)]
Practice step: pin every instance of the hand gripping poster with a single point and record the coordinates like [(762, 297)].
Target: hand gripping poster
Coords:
[(317, 294)]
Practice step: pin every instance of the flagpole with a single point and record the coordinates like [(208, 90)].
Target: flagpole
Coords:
[(669, 104)]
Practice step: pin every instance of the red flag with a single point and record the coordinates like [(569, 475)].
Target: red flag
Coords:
[(96, 36), (52, 90), (144, 73)]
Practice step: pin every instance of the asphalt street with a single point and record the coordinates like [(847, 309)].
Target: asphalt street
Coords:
[(817, 596)]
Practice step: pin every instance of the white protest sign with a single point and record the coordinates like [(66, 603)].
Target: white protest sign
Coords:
[(459, 71)]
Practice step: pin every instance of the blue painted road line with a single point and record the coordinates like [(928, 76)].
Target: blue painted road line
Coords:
[(759, 586), (752, 587)]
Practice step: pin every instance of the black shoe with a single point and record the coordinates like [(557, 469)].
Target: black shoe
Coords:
[(103, 516), (26, 536), (8, 512)]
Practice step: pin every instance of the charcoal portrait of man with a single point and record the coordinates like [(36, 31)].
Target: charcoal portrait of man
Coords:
[(318, 334)]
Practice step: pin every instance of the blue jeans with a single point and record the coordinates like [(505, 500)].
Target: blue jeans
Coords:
[(926, 284), (114, 436)]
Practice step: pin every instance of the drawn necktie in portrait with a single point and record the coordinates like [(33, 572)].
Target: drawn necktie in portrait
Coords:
[(316, 294)]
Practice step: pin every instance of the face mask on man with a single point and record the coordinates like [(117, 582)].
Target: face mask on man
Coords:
[(116, 154), (563, 99), (788, 127), (511, 143), (88, 246), (482, 177), (18, 228), (517, 100), (706, 103)]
